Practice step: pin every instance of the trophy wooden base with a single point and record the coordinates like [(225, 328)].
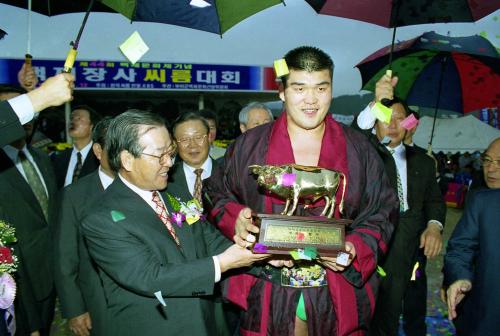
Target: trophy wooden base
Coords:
[(281, 234)]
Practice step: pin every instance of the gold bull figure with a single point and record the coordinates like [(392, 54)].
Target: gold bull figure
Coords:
[(294, 182)]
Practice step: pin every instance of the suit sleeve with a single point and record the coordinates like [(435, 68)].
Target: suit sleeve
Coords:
[(10, 126), (462, 246), (131, 262), (434, 205), (67, 259)]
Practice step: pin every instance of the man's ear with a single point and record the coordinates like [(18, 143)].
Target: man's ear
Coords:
[(281, 90), (127, 160), (97, 149), (243, 128)]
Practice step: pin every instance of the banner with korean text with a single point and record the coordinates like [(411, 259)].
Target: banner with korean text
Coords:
[(151, 76)]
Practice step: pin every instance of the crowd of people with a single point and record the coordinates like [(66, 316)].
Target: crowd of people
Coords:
[(146, 229)]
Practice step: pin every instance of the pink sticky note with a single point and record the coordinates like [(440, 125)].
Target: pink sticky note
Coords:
[(409, 122), (287, 180)]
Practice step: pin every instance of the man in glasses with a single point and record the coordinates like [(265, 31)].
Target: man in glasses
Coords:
[(191, 132), (158, 273), (472, 258)]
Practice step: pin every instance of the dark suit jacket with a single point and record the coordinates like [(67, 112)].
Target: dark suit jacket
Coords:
[(10, 127), (61, 163), (22, 210), (77, 282), (425, 203), (177, 184), (137, 257), (473, 254)]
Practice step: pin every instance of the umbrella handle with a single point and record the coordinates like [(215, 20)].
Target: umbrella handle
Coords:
[(386, 101), (70, 60)]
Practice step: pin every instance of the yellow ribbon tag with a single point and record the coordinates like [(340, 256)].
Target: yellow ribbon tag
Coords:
[(191, 219), (281, 68), (134, 47), (382, 112), (414, 272), (381, 271)]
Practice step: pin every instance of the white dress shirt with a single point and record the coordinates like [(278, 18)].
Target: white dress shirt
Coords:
[(23, 108), (399, 155), (73, 160), (147, 196), (105, 179), (13, 154), (191, 176)]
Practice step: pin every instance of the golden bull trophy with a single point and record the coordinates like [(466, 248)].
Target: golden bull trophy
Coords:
[(281, 234)]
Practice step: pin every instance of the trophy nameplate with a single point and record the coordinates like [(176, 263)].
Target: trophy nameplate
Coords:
[(281, 234)]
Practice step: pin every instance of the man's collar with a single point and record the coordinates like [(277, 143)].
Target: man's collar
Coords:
[(85, 150), (206, 166)]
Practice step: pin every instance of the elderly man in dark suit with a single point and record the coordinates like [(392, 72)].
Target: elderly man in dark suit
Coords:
[(472, 264), (78, 161), (191, 131), (158, 272), (19, 110), (422, 210), (77, 282), (27, 196)]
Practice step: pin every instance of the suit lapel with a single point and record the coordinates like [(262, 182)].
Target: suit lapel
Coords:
[(17, 182), (412, 174)]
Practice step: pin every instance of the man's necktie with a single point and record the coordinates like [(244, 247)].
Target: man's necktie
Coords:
[(35, 183), (400, 185), (161, 211), (198, 185), (78, 167)]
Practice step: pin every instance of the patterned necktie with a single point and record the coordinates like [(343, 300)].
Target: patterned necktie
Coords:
[(161, 211), (35, 183), (198, 185), (400, 185), (78, 167)]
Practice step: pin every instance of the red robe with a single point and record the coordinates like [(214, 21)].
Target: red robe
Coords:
[(369, 201)]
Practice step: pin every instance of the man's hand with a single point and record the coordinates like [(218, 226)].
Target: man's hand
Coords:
[(53, 92), (244, 227), (27, 77), (384, 89), (236, 256), (280, 262), (456, 292), (81, 325), (331, 262), (431, 240)]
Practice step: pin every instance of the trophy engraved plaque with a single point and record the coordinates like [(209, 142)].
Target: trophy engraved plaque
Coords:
[(280, 234)]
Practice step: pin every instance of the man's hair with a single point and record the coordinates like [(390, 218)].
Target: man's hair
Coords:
[(308, 59), (93, 115), (100, 130), (243, 116), (209, 114), (7, 88), (190, 116), (124, 132), (397, 100)]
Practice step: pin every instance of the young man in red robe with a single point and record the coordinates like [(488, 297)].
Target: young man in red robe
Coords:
[(306, 134)]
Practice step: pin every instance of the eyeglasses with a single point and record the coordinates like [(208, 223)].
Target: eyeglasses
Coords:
[(486, 161), (170, 154), (197, 139)]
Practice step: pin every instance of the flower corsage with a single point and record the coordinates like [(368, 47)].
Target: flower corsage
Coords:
[(190, 211), (8, 265)]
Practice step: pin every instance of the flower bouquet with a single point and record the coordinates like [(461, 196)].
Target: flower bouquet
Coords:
[(8, 265)]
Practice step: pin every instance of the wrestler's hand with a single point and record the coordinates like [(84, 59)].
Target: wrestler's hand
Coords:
[(456, 292), (244, 227), (331, 262), (384, 89), (236, 256), (280, 262)]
